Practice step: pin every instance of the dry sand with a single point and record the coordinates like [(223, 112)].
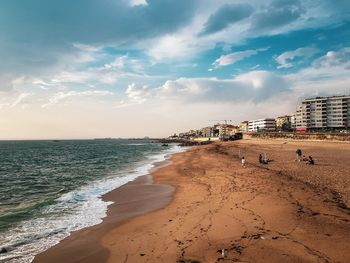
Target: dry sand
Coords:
[(285, 211)]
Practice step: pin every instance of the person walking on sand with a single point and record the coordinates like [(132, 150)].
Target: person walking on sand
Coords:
[(298, 153), (243, 162)]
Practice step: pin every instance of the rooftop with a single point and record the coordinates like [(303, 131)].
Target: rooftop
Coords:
[(329, 97)]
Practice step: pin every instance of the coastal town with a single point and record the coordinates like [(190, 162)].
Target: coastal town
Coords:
[(317, 114), (169, 131)]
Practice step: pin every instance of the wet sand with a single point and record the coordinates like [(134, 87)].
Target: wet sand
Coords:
[(135, 198), (284, 211)]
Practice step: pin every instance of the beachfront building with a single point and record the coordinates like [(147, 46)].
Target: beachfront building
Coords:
[(232, 129), (267, 124), (216, 130), (300, 117), (283, 123), (323, 113), (227, 130), (207, 131), (243, 126), (292, 122)]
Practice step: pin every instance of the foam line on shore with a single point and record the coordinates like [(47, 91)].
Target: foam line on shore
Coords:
[(74, 210)]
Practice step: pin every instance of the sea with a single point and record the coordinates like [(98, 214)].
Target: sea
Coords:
[(51, 188)]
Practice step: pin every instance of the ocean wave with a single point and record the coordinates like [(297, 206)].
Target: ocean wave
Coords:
[(72, 211)]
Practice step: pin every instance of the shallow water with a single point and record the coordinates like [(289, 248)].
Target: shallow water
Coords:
[(50, 188)]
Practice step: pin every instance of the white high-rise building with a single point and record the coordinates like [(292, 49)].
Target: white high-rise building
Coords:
[(322, 113), (262, 125)]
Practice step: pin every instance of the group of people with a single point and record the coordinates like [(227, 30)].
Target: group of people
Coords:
[(264, 160), (307, 160)]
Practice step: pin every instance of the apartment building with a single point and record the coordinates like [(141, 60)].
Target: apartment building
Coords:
[(323, 113), (283, 123), (228, 129), (207, 131), (243, 126), (267, 124)]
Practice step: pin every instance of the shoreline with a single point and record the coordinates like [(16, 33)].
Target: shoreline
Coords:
[(147, 197), (280, 212)]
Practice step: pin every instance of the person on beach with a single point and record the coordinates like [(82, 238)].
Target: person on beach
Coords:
[(243, 162), (311, 161), (265, 160), (298, 153)]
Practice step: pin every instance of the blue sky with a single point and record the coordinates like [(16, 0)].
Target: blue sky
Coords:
[(121, 68)]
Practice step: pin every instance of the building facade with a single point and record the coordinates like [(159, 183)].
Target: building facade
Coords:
[(243, 126), (283, 123), (323, 113), (207, 131), (267, 124), (227, 129)]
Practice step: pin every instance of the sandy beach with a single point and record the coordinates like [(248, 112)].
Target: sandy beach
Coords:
[(205, 207)]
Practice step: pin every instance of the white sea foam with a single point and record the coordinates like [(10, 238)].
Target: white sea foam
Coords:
[(73, 211)]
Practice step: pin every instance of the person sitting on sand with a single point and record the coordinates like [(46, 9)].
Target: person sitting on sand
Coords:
[(265, 161), (305, 159), (243, 162), (260, 158), (310, 161)]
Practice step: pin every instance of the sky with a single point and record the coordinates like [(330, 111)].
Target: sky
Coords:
[(134, 68)]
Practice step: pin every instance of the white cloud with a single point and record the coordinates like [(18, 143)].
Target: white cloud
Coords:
[(173, 47), (285, 60), (138, 2), (125, 64), (234, 57), (105, 75), (333, 65), (253, 86), (21, 97), (109, 73), (187, 42), (327, 75), (63, 96), (335, 58), (84, 53), (43, 84), (118, 63), (136, 95), (14, 99)]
